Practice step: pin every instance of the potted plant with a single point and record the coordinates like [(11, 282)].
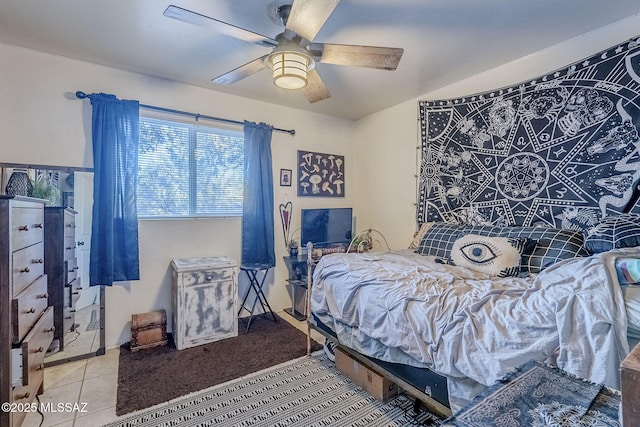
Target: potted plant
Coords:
[(42, 189)]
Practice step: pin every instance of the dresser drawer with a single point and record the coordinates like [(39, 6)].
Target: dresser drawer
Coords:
[(69, 319), (76, 287), (71, 270), (27, 266), (33, 349), (27, 308), (69, 247), (27, 225), (203, 277), (69, 224)]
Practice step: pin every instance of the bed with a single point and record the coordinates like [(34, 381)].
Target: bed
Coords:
[(451, 325)]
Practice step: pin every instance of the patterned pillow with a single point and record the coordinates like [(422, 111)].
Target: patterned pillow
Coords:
[(417, 238), (551, 244), (439, 238), (620, 231), (497, 256), (628, 271)]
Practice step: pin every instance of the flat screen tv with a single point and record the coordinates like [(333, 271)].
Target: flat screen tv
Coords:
[(326, 227)]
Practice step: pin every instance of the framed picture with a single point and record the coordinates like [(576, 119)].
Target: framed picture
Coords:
[(320, 175), (285, 177)]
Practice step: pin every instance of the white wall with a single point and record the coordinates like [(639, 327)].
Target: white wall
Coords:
[(385, 142), (43, 123)]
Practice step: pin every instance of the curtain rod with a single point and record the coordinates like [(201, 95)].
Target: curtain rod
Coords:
[(82, 95)]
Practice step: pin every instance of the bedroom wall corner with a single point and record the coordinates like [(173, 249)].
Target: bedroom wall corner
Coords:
[(385, 142)]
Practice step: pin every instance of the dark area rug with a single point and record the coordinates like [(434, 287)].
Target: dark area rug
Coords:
[(151, 376)]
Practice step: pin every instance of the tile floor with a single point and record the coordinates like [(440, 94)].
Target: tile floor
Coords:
[(92, 384)]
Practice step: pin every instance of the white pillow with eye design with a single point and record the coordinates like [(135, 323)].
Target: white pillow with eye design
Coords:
[(497, 256)]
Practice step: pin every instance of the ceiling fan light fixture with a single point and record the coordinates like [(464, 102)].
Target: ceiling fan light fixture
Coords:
[(290, 69)]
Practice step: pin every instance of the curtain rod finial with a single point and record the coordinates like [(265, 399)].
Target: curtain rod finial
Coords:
[(80, 94)]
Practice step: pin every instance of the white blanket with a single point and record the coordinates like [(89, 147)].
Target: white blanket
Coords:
[(404, 307)]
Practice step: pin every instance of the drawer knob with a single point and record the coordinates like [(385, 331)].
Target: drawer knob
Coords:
[(23, 396), (31, 310), (25, 270), (70, 247), (39, 350), (71, 311), (37, 261), (76, 293), (76, 268), (23, 228), (38, 225), (44, 296), (40, 367), (51, 329), (68, 317), (208, 277), (80, 243)]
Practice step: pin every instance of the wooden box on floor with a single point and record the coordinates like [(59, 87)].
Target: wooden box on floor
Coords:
[(148, 330), (373, 383)]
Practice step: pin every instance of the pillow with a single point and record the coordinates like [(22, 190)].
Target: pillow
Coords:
[(547, 246), (439, 238), (628, 271), (417, 237), (497, 256), (620, 231)]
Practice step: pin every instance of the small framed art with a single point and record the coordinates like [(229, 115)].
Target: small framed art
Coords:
[(285, 177)]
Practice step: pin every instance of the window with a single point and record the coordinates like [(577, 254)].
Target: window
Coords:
[(189, 171)]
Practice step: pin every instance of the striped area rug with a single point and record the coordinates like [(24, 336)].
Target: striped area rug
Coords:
[(304, 392)]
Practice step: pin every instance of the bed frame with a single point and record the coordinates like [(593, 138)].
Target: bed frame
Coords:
[(422, 384)]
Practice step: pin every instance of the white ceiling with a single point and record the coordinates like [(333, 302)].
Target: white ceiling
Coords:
[(444, 41)]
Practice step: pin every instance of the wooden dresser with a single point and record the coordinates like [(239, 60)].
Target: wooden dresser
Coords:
[(61, 268), (205, 300), (26, 320)]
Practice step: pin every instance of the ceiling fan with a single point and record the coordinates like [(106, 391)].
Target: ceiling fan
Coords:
[(294, 56)]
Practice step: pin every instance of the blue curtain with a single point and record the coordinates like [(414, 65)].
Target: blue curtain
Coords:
[(257, 215), (114, 231)]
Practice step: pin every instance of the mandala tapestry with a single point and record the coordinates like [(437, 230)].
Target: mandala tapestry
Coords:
[(561, 150)]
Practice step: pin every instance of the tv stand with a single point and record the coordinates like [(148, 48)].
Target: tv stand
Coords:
[(297, 286)]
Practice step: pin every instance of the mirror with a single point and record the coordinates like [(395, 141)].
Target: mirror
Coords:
[(80, 307)]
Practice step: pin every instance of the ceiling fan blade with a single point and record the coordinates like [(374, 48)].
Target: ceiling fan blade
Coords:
[(315, 90), (308, 16), (383, 58), (190, 17), (242, 71)]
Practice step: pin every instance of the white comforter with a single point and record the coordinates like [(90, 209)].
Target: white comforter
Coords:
[(406, 308)]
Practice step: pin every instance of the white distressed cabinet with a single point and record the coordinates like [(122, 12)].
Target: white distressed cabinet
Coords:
[(205, 300)]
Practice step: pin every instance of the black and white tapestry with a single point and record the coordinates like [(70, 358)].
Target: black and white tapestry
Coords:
[(561, 150)]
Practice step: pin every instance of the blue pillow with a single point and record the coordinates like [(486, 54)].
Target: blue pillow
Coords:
[(620, 231)]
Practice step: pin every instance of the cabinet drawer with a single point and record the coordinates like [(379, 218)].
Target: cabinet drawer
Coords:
[(204, 277), (27, 226), (34, 347), (71, 270), (28, 265), (27, 307)]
